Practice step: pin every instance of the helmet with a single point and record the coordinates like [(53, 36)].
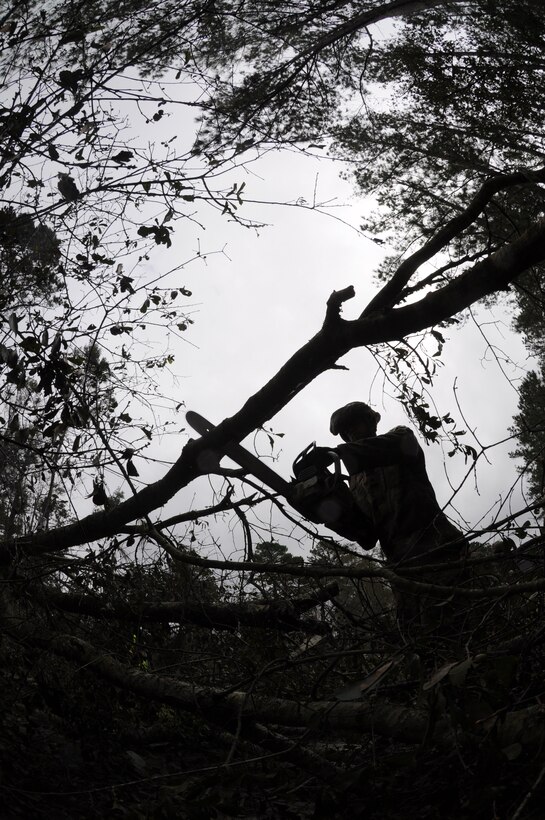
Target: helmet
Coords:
[(351, 414)]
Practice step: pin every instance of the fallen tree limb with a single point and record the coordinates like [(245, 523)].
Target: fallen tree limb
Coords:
[(407, 724), (283, 615)]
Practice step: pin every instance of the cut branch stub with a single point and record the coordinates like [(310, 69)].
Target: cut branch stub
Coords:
[(334, 303)]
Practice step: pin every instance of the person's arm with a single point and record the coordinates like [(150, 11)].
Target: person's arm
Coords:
[(395, 447)]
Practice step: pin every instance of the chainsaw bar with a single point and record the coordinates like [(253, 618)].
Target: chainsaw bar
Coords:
[(252, 464)]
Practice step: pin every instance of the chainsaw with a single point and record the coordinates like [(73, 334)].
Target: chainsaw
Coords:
[(317, 492)]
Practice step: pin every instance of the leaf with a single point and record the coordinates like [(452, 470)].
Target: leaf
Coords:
[(52, 429), (512, 751), (240, 190), (458, 673), (355, 690), (125, 284), (13, 323), (72, 36), (451, 670), (438, 676), (70, 79), (56, 346), (123, 156), (31, 345), (17, 377), (131, 469), (470, 451), (138, 762), (160, 233)]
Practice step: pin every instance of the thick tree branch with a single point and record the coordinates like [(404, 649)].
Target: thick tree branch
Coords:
[(267, 87), (385, 11), (392, 721), (355, 24), (392, 290)]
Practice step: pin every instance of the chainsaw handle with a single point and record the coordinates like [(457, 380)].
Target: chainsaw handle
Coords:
[(315, 459), (296, 466)]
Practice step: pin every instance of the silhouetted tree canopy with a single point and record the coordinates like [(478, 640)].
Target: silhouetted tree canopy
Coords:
[(150, 667)]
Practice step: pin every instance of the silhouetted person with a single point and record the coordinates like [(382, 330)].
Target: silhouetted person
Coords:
[(390, 485)]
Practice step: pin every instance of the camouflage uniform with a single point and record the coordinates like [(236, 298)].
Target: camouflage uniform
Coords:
[(389, 482)]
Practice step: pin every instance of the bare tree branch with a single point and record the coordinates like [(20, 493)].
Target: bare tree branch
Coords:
[(391, 291)]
